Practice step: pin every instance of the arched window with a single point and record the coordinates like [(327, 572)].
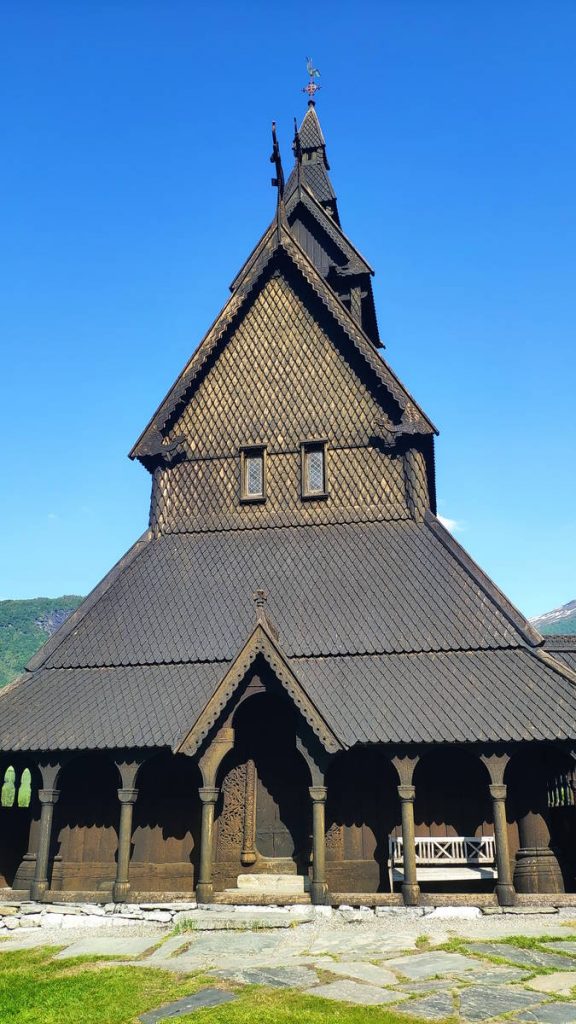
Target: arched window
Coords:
[(8, 788), (25, 789)]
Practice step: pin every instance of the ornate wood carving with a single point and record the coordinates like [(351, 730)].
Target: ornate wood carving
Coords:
[(231, 818), (335, 842), (249, 855)]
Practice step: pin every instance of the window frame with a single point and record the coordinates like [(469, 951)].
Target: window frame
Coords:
[(250, 451), (313, 444)]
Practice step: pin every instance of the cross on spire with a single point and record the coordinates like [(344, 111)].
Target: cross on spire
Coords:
[(313, 73)]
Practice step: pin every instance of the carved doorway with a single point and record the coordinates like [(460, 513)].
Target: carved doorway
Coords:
[(263, 822)]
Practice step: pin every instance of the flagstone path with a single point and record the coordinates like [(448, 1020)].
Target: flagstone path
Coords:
[(368, 961)]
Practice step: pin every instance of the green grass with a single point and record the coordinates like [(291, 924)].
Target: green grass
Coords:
[(35, 989)]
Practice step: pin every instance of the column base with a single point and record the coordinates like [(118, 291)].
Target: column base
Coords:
[(506, 894), (411, 894), (204, 892), (319, 893), (537, 870), (24, 876), (120, 891), (38, 890)]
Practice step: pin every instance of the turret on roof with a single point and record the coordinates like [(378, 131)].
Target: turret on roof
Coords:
[(312, 164)]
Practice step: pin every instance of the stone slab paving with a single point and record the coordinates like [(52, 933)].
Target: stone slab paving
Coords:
[(551, 1013), (564, 947), (275, 977), (480, 1002), (560, 984), (169, 947), (428, 965), (344, 991), (522, 957), (113, 945), (359, 970), (432, 1007), (182, 1007), (213, 945)]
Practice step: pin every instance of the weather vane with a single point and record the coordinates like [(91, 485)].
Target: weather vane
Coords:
[(312, 88)]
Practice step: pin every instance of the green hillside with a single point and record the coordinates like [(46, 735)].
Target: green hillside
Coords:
[(25, 626)]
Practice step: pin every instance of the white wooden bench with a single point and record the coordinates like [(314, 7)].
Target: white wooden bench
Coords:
[(445, 859)]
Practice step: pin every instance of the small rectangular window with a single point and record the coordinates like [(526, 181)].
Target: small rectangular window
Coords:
[(314, 469), (253, 470)]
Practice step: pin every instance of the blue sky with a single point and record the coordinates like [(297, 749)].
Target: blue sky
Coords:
[(135, 180)]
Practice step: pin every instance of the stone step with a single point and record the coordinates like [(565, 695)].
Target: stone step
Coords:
[(273, 884)]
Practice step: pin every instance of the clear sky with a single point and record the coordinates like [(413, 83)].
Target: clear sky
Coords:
[(135, 180)]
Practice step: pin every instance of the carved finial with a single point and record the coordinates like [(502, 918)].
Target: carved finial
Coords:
[(260, 598), (276, 159), (312, 88)]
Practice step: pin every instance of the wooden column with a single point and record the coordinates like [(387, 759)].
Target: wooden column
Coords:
[(208, 796), (504, 887), (410, 887), (121, 888), (47, 798), (318, 795)]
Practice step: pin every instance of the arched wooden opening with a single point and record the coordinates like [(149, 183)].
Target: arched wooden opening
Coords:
[(86, 826), (362, 811), (166, 825), (453, 799), (542, 815), (263, 816), (19, 819)]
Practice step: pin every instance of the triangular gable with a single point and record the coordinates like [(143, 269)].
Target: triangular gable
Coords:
[(334, 231), (277, 240), (260, 642)]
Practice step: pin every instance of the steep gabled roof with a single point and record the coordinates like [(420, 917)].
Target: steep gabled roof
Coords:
[(278, 241), (389, 633)]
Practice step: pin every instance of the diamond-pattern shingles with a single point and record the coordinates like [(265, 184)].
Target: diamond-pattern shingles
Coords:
[(310, 132), (65, 709), (346, 589), (279, 380), (463, 696), (563, 649), (363, 483)]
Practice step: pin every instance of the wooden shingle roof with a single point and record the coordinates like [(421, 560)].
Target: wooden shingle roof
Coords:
[(390, 629)]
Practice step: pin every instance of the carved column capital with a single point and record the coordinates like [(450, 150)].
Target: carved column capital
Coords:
[(48, 796), (407, 794), (318, 794), (127, 796), (496, 764), (498, 791), (208, 794)]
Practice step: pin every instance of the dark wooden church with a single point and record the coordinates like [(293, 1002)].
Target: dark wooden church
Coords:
[(296, 685)]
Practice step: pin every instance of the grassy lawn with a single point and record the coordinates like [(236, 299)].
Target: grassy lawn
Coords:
[(34, 989)]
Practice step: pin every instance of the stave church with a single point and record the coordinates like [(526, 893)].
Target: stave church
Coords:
[(296, 685)]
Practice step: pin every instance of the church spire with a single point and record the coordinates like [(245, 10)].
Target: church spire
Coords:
[(312, 165)]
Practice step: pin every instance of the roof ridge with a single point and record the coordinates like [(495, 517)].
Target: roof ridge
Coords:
[(74, 620), (498, 598)]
